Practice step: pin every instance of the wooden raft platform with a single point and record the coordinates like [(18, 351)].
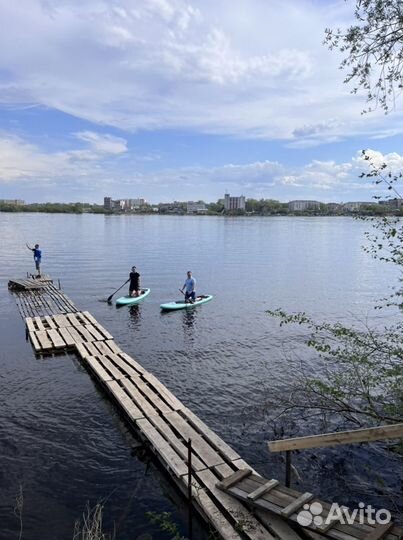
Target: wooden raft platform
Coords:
[(38, 297), (222, 482)]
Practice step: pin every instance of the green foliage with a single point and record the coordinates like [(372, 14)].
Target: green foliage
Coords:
[(164, 521), (372, 50), (362, 376)]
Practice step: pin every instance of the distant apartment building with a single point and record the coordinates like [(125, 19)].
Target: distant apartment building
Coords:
[(392, 204), (108, 203), (301, 206), (196, 208), (14, 202), (123, 205), (334, 208), (355, 206), (234, 203)]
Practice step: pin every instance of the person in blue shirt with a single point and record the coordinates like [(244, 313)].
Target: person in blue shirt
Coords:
[(189, 286), (37, 258)]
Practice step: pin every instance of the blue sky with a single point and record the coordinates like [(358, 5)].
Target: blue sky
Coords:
[(181, 99)]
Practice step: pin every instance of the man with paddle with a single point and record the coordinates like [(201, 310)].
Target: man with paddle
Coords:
[(134, 287), (189, 286), (37, 258)]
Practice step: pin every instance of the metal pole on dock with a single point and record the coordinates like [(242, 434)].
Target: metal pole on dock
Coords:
[(190, 517), (288, 468)]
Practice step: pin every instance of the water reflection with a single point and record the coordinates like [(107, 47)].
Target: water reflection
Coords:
[(189, 319), (135, 314)]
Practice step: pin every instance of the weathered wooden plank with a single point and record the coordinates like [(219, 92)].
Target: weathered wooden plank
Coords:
[(161, 425), (94, 332), (61, 321), (132, 362), (99, 327), (380, 531), (263, 489), (38, 323), (56, 339), (235, 477), (87, 337), (93, 351), (175, 404), (281, 528), (112, 345), (215, 516), (74, 334), (165, 452), (66, 336), (297, 504), (212, 437), (242, 516), (102, 348), (342, 437), (82, 351), (157, 402), (44, 341), (35, 343), (30, 324), (138, 398), (200, 446), (71, 317), (124, 366), (50, 322), (275, 500), (125, 401), (97, 368), (108, 365)]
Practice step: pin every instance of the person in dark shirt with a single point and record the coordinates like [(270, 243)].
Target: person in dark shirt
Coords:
[(134, 287), (37, 258)]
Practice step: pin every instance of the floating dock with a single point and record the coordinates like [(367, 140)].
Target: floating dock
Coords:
[(232, 497)]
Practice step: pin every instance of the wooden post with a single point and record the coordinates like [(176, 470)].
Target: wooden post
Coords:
[(190, 517), (288, 468), (59, 284)]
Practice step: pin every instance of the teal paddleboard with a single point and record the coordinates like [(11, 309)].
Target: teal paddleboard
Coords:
[(181, 304), (131, 300)]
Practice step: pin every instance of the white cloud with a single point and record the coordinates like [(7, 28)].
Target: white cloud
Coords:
[(96, 168), (22, 160), (245, 68)]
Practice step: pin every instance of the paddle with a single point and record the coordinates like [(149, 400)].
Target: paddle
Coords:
[(190, 301), (110, 297)]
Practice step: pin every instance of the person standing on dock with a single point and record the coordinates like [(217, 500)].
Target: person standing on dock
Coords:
[(134, 287), (37, 258), (190, 288)]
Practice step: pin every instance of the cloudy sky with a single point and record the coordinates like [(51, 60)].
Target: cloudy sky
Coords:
[(181, 99)]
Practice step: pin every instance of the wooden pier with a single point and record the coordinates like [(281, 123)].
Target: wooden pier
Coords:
[(227, 492)]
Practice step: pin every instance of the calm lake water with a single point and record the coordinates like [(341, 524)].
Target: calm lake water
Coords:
[(63, 441)]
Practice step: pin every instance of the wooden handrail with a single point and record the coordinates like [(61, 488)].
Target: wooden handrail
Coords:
[(394, 431)]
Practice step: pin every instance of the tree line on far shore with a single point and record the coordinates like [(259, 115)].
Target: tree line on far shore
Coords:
[(261, 207)]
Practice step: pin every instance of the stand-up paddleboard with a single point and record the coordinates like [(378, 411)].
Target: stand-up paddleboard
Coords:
[(130, 300), (181, 304)]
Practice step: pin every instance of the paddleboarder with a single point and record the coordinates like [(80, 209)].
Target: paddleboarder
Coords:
[(134, 287), (37, 258), (189, 286)]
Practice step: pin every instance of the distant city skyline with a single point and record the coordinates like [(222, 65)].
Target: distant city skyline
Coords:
[(182, 99)]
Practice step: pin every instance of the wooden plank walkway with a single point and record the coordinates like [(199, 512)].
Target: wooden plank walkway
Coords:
[(270, 495), (40, 297), (224, 486)]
